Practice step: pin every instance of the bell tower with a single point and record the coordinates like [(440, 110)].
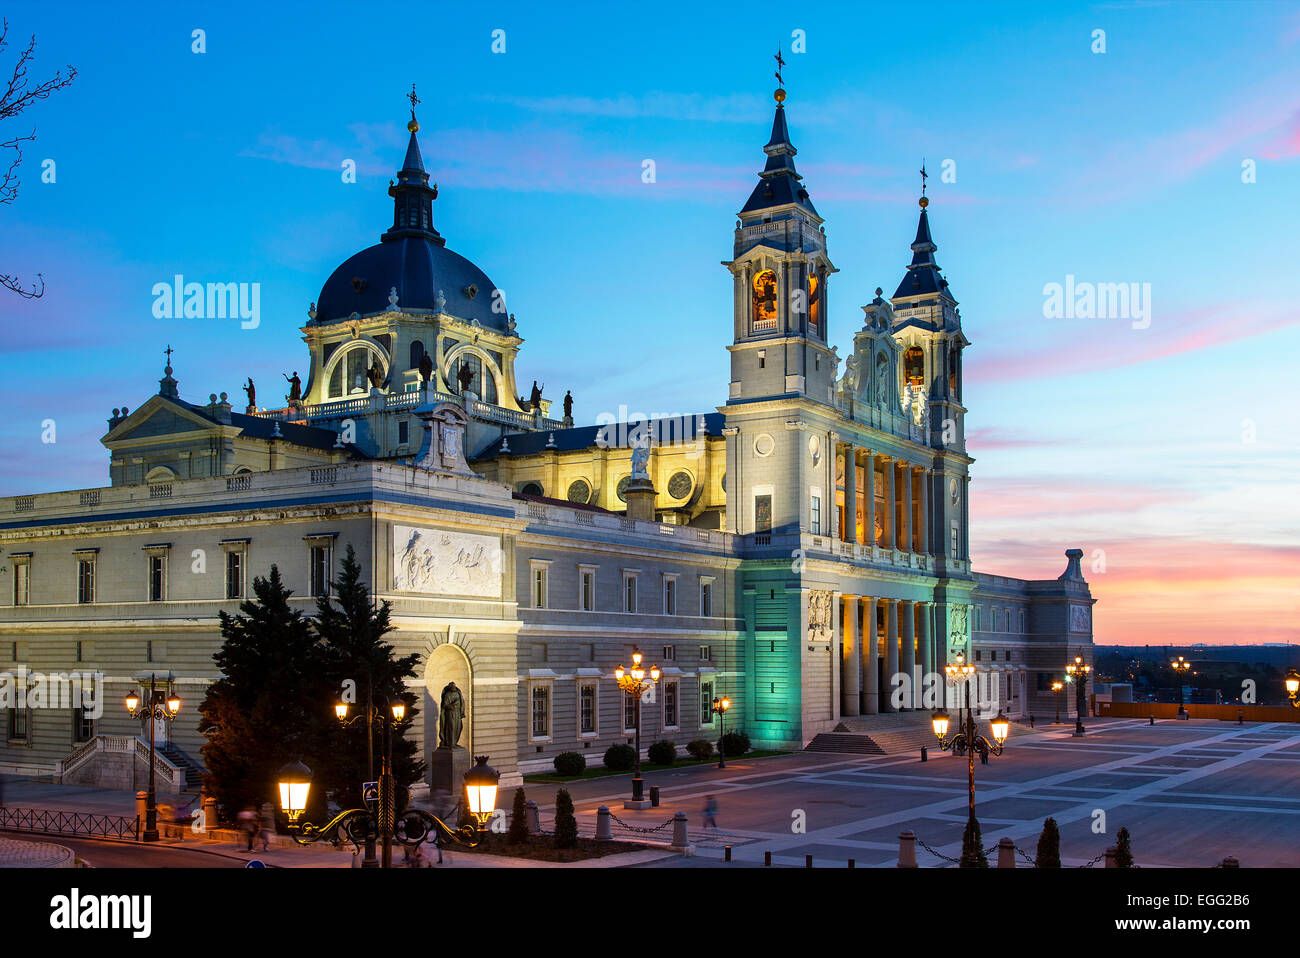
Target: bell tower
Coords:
[(780, 271)]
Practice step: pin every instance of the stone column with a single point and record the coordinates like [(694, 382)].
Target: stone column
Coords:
[(891, 652), (907, 613), (905, 538), (870, 657), (965, 519), (927, 492), (927, 645), (869, 494), (890, 517), (834, 513), (850, 493), (851, 661)]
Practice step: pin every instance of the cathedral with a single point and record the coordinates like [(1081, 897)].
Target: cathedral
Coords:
[(802, 549)]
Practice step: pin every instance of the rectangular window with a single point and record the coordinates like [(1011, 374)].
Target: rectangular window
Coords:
[(587, 708), (706, 703), (815, 520), (670, 653), (157, 578), (953, 539), (670, 705), (22, 583), (403, 432), (539, 586), (1022, 621), (83, 726), (629, 593), (79, 650), (320, 570), (706, 653), (670, 596), (629, 712), (763, 513), (234, 574), (587, 590), (541, 711), (17, 725), (706, 598), (85, 580), (978, 654)]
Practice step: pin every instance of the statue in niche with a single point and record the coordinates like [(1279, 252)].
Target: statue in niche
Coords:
[(426, 368), (882, 383), (465, 377), (375, 374), (451, 716)]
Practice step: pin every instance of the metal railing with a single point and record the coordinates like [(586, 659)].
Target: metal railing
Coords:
[(68, 823)]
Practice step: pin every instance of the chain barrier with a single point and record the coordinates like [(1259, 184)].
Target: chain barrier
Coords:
[(640, 831), (936, 854), (1033, 863)]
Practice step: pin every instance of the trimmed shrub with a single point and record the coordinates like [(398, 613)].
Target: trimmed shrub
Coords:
[(566, 825), (1123, 851), (1049, 846), (620, 757), (734, 743), (662, 753), (700, 748), (972, 846), (518, 833), (570, 764)]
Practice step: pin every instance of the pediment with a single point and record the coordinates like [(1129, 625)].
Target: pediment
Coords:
[(159, 417)]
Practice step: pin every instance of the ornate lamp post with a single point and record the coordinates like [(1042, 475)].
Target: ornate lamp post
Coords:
[(1079, 671), (1180, 667), (633, 682), (967, 736), (1292, 683), (362, 825), (719, 709), (1056, 695), (161, 705)]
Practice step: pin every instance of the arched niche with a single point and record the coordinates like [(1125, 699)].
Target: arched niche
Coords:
[(447, 663)]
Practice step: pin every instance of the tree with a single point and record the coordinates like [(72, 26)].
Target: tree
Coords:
[(1123, 851), (518, 833), (257, 716), (1049, 846), (17, 95), (972, 846), (357, 659), (566, 825)]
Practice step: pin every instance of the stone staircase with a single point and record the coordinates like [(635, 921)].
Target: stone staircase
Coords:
[(886, 734), (193, 773)]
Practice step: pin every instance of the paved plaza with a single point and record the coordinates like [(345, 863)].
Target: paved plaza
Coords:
[(1190, 794)]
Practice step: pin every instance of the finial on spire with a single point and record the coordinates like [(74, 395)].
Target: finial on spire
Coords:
[(414, 125), (169, 352), (923, 202), (779, 95)]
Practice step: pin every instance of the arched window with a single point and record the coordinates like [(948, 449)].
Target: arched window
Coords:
[(765, 300), (484, 383), (417, 354), (348, 377), (952, 374), (814, 302), (914, 366)]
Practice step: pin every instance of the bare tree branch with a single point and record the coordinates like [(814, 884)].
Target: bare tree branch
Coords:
[(18, 95)]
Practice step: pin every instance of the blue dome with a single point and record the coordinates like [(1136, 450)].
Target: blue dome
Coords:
[(418, 267)]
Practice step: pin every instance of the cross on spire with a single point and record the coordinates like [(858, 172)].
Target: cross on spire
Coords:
[(414, 100), (924, 177), (779, 64), (169, 352)]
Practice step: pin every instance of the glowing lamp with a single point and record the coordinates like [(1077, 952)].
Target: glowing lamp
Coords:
[(940, 722), (481, 790), (1000, 727), (295, 784), (654, 673), (173, 703), (341, 711), (399, 711), (132, 702)]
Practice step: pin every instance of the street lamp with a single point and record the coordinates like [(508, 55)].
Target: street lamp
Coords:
[(1180, 667), (1292, 682), (633, 682), (719, 709), (161, 705), (1056, 695), (1079, 671), (967, 736)]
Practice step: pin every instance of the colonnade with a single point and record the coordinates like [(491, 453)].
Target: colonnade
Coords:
[(881, 638)]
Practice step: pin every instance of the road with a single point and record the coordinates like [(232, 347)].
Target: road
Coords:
[(105, 853)]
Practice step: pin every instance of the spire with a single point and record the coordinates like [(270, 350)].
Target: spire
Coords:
[(779, 183), (923, 276), (167, 386), (412, 196)]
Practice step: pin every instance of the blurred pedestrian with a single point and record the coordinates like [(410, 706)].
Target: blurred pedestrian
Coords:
[(267, 822), (247, 820), (710, 811)]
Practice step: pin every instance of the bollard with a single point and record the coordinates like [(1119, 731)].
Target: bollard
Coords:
[(680, 844), (1110, 857), (807, 861), (654, 796), (1006, 853), (604, 831), (141, 800), (1241, 717), (534, 818), (726, 853), (767, 859), (209, 814), (1230, 862), (925, 756), (907, 849), (852, 863), (1153, 720)]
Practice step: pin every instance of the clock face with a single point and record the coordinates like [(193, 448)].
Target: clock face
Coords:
[(952, 489)]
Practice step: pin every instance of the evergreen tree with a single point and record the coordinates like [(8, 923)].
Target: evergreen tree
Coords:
[(257, 715), (566, 825), (1049, 846), (1123, 851), (357, 657), (972, 846), (518, 833)]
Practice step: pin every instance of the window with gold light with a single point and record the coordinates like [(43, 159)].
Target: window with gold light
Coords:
[(914, 366), (814, 302), (765, 300)]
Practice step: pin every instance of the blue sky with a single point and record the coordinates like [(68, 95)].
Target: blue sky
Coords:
[(1172, 449)]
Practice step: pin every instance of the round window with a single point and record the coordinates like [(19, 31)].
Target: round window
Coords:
[(622, 488), (531, 489), (579, 491), (680, 485), (764, 444)]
